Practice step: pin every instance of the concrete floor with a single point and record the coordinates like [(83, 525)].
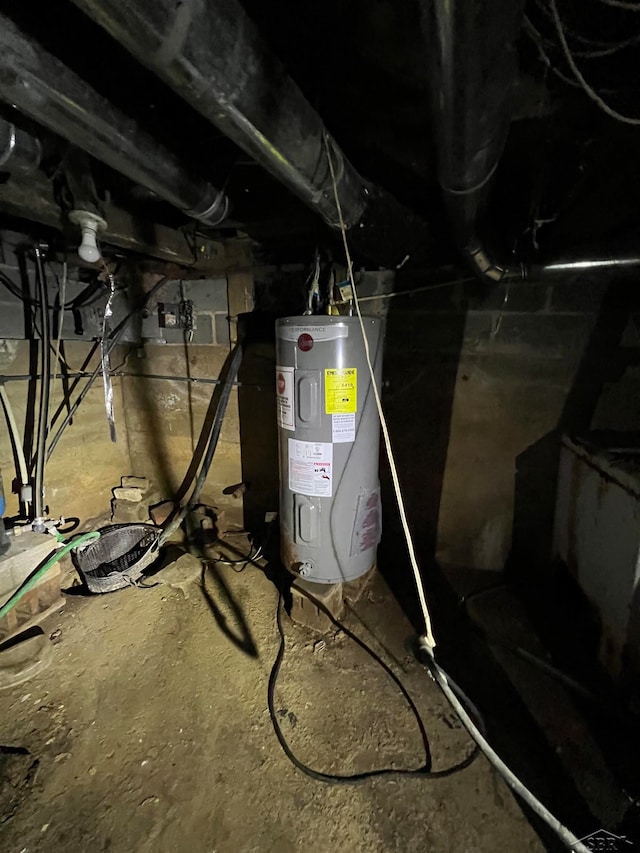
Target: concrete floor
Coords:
[(150, 732)]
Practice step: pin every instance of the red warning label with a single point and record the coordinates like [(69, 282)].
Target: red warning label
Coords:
[(285, 397)]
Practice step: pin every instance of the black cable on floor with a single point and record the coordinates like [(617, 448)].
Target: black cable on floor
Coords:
[(424, 772)]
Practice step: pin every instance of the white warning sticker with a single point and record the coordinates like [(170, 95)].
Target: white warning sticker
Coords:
[(343, 428), (285, 397), (311, 468)]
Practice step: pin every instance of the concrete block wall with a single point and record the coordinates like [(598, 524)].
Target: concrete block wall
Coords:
[(158, 421), (86, 464), (476, 382), (164, 417)]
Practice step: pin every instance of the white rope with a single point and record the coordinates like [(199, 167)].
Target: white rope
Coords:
[(427, 642), (383, 422), (595, 97)]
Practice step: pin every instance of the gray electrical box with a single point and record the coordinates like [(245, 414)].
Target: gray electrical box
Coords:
[(329, 438)]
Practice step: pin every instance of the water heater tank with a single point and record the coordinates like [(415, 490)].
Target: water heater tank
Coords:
[(329, 436)]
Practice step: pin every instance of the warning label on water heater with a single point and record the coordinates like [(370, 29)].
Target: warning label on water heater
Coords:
[(285, 397), (343, 428), (341, 390), (311, 468)]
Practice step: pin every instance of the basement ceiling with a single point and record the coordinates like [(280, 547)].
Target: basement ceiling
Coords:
[(568, 174)]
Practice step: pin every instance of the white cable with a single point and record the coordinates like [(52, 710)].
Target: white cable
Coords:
[(13, 429), (383, 422), (565, 834), (595, 97), (597, 47), (427, 642), (395, 293), (62, 294)]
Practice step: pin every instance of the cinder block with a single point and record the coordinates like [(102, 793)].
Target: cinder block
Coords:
[(512, 296), (27, 552), (127, 493), (306, 598), (203, 333), (352, 591), (129, 512), (161, 512), (135, 483), (208, 294), (223, 336), (584, 294), (546, 335)]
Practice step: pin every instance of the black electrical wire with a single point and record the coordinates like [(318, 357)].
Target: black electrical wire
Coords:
[(254, 554), (114, 337), (212, 443), (13, 289), (92, 293), (424, 772)]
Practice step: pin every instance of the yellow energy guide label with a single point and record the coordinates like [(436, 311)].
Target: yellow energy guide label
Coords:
[(341, 390)]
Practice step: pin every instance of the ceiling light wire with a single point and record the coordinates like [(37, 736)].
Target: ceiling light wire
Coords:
[(600, 51), (538, 41), (591, 42), (427, 642), (589, 90)]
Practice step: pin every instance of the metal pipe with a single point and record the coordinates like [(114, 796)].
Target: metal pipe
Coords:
[(20, 153), (33, 199), (472, 76), (42, 87), (212, 55), (473, 70), (45, 387), (588, 265)]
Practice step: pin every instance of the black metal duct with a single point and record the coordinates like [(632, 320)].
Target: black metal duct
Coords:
[(212, 55), (472, 73), (43, 88)]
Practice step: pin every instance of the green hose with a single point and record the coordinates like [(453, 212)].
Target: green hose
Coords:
[(31, 581)]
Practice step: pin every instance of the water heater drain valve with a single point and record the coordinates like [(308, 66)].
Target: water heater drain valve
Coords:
[(305, 568)]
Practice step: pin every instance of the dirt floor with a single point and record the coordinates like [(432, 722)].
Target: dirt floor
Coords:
[(149, 731)]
